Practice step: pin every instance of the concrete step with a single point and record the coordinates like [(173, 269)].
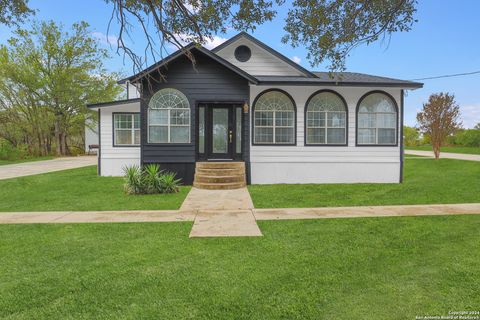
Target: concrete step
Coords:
[(219, 186), (220, 165), (219, 179), (220, 172)]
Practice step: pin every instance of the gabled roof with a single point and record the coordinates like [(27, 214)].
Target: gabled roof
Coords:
[(340, 79), (112, 103), (179, 53), (267, 48)]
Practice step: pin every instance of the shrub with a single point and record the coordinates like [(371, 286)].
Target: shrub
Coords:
[(133, 180), (149, 180), (168, 183)]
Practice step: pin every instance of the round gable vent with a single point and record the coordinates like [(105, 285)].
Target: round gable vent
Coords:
[(243, 53)]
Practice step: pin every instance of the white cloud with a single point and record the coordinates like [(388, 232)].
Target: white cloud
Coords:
[(470, 115), (104, 39), (296, 59)]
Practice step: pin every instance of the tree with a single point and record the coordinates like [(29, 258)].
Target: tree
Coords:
[(411, 136), (12, 12), (47, 76), (329, 29), (477, 126), (439, 118)]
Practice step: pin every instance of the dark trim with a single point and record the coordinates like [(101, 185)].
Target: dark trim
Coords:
[(402, 94), (99, 153), (267, 48), (112, 103), (113, 132), (396, 120), (305, 121), (181, 52), (253, 120), (343, 84)]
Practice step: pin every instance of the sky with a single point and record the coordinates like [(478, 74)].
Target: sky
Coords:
[(445, 40)]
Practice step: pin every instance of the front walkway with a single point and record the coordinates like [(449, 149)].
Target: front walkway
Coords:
[(221, 213), (446, 155), (37, 167)]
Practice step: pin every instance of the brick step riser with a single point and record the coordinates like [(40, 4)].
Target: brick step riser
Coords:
[(220, 172), (220, 165), (219, 186), (220, 179)]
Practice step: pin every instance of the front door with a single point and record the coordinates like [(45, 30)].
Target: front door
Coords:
[(220, 129)]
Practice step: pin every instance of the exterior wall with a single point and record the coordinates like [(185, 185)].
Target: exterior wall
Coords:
[(132, 91), (113, 159), (261, 62), (325, 164), (207, 82)]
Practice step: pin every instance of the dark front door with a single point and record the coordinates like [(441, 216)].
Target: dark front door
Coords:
[(219, 131)]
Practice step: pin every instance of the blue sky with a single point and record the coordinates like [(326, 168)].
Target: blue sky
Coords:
[(446, 40)]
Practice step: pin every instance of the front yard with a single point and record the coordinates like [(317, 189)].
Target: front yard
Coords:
[(374, 268), (467, 150), (79, 190), (426, 181), (4, 162)]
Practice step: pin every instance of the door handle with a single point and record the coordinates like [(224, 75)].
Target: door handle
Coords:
[(230, 135)]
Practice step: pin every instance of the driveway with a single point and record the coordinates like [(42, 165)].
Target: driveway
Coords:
[(37, 167), (446, 155)]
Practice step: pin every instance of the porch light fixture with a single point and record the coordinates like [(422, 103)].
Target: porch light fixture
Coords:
[(245, 108)]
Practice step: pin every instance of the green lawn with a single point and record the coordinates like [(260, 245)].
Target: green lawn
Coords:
[(369, 268), (78, 189), (425, 182), (3, 162), (467, 150)]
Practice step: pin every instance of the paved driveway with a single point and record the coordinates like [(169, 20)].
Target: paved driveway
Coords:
[(446, 155), (36, 167)]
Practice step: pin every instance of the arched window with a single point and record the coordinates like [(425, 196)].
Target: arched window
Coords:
[(168, 117), (274, 118), (377, 120), (326, 119)]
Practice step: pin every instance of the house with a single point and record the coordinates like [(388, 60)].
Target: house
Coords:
[(245, 105)]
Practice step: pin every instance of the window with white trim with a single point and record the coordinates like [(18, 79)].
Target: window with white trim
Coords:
[(377, 120), (169, 117), (274, 119), (326, 121), (126, 129)]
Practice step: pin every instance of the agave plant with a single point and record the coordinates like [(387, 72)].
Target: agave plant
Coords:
[(151, 178), (133, 179), (168, 183)]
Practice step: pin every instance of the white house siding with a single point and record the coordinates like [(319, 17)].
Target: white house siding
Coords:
[(322, 164), (91, 134), (261, 62), (132, 91), (113, 159)]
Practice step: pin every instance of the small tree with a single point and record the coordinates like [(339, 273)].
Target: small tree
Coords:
[(411, 136), (439, 118), (477, 126)]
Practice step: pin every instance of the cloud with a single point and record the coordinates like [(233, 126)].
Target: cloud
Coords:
[(470, 115), (296, 59), (104, 39)]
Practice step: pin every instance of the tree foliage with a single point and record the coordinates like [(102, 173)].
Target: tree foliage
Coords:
[(411, 136), (439, 118), (47, 76), (329, 29), (13, 12)]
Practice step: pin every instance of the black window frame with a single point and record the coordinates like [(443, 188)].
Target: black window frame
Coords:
[(114, 144), (305, 121)]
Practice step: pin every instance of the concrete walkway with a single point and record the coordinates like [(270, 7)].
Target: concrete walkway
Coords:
[(445, 155), (9, 171), (230, 217), (221, 213)]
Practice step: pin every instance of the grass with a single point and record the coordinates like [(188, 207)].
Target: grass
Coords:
[(467, 150), (425, 182), (369, 268), (79, 190), (3, 162)]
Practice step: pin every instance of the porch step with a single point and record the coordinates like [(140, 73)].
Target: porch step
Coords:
[(219, 175)]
